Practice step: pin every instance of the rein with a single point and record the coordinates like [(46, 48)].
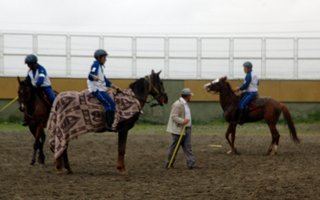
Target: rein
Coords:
[(151, 87)]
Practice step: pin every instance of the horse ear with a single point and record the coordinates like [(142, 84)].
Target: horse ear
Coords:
[(159, 72), (223, 79), (152, 72), (18, 78)]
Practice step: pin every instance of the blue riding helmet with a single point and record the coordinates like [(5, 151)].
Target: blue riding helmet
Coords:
[(100, 52), (31, 59), (247, 64)]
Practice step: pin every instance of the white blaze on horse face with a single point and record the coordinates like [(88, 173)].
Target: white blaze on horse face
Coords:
[(216, 81), (213, 82), (205, 86)]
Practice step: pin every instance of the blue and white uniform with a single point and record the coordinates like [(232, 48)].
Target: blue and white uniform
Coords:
[(39, 78), (250, 86), (98, 88)]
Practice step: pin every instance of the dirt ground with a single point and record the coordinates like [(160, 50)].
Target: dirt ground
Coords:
[(293, 174)]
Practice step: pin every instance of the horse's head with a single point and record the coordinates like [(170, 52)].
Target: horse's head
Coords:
[(216, 85), (156, 88), (25, 93)]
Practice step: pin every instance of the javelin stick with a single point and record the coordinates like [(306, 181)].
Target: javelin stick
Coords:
[(9, 104), (99, 80), (177, 147), (96, 77)]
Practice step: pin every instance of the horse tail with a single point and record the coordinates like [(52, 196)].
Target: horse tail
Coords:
[(290, 123)]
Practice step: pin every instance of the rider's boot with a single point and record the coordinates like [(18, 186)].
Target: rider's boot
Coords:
[(109, 120), (242, 117), (25, 121)]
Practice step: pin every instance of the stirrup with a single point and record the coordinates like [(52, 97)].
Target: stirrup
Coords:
[(110, 129)]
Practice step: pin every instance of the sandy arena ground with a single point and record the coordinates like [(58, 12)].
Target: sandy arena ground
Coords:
[(293, 174)]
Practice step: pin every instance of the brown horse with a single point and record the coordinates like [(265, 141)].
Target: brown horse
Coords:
[(37, 110), (266, 109), (76, 113)]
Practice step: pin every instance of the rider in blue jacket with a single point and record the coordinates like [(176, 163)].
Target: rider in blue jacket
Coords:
[(98, 83), (38, 77), (249, 89)]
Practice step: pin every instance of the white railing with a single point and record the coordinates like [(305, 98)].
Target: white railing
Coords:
[(70, 55)]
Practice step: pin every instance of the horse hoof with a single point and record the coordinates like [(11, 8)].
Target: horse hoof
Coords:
[(41, 162), (59, 172), (69, 172), (124, 173), (231, 152), (273, 153), (32, 162)]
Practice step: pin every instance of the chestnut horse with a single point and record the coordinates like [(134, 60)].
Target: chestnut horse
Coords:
[(37, 109), (266, 109)]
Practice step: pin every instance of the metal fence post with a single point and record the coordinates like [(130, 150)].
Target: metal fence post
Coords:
[(166, 57), (68, 55), (35, 43), (1, 54), (296, 55), (231, 57), (263, 58), (199, 51), (134, 57), (101, 42)]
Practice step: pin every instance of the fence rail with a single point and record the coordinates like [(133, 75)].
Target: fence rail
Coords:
[(70, 55)]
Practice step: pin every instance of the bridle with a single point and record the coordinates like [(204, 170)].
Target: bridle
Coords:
[(155, 93), (24, 102)]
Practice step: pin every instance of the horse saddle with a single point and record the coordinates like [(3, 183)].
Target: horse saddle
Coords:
[(257, 102)]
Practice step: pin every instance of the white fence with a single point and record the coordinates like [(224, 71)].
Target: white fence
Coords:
[(70, 55)]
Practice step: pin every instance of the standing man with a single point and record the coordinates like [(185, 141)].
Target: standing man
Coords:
[(180, 116)]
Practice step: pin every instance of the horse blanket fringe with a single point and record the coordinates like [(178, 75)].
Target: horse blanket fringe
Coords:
[(76, 113)]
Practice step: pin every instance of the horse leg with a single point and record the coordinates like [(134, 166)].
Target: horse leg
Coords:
[(275, 139), (41, 158), (66, 162), (272, 141), (122, 140), (233, 137), (59, 165), (39, 145), (35, 147), (231, 130), (227, 137)]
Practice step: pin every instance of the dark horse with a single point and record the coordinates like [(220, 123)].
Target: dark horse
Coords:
[(261, 108), (37, 110), (62, 125)]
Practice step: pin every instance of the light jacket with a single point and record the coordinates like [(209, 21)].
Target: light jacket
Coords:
[(176, 119), (251, 83), (39, 77), (96, 70)]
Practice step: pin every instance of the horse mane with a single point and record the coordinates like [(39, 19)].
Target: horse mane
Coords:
[(139, 88), (138, 85), (229, 88), (37, 93)]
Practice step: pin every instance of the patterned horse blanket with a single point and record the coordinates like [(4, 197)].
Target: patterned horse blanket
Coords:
[(76, 113)]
